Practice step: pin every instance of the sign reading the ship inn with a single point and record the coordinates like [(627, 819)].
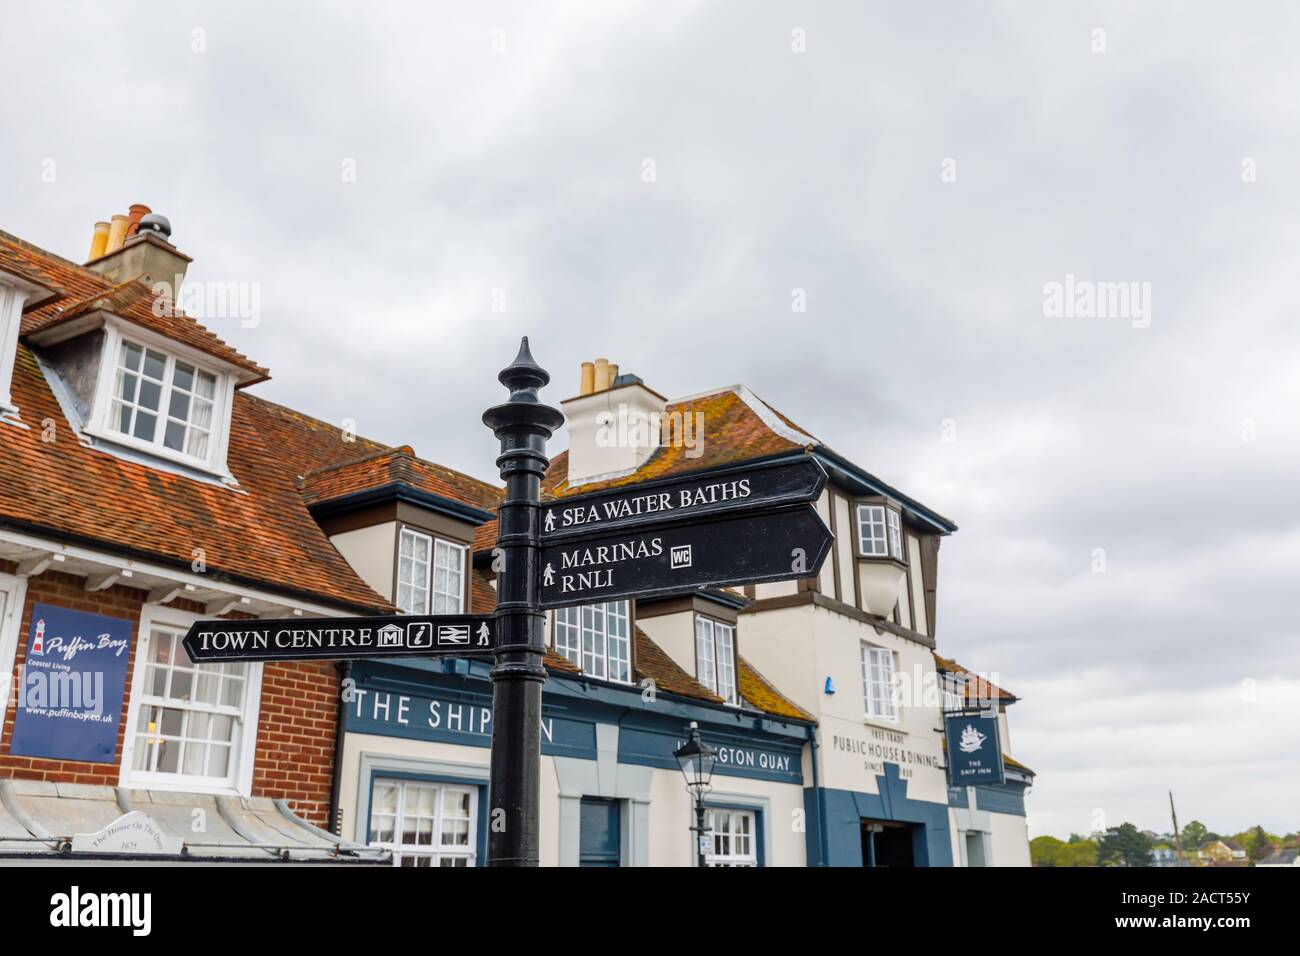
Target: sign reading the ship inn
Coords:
[(334, 638), (974, 751)]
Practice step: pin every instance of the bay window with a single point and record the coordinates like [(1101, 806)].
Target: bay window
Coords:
[(878, 682), (596, 638), (880, 532), (424, 823), (715, 657)]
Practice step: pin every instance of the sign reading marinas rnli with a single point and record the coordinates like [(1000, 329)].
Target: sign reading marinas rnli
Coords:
[(764, 485), (736, 549), (334, 638)]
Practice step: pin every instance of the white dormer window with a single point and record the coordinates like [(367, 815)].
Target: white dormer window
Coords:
[(14, 294), (161, 398)]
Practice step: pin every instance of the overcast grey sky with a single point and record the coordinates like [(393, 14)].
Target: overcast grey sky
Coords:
[(503, 147)]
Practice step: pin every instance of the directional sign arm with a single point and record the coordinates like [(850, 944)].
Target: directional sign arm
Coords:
[(771, 545), (745, 488), (337, 638)]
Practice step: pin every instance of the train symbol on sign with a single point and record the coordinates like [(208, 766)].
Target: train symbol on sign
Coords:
[(453, 634), (681, 556)]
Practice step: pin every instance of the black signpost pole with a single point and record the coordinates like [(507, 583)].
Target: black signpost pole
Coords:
[(523, 424)]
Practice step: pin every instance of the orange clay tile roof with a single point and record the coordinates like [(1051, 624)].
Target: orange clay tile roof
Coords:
[(758, 692), (976, 687), (732, 432), (81, 291), (654, 664), (260, 533), (397, 466), (1011, 761)]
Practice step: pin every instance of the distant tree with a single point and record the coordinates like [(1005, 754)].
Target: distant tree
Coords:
[(1078, 853), (1258, 844), (1195, 835), (1044, 850), (1124, 845), (1076, 838)]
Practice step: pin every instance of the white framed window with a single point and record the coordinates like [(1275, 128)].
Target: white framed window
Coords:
[(448, 577), (13, 591), (895, 534), (732, 838), (158, 397), (880, 532), (430, 568), (871, 530), (424, 823), (715, 657), (14, 293), (878, 682), (189, 726), (596, 638), (414, 554)]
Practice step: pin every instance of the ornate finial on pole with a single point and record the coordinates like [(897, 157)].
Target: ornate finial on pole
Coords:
[(523, 424)]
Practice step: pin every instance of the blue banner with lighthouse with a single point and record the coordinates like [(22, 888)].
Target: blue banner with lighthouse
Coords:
[(72, 684), (974, 750)]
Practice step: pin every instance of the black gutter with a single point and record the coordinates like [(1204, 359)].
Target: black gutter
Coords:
[(401, 491), (851, 475)]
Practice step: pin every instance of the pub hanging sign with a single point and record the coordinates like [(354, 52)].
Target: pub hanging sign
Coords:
[(974, 750)]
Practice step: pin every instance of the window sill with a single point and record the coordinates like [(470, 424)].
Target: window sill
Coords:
[(881, 559), (206, 468), (144, 781), (882, 723)]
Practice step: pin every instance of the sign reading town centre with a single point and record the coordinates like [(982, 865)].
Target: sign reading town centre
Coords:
[(335, 638)]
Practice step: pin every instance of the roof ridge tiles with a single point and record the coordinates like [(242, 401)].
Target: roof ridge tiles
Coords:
[(32, 247)]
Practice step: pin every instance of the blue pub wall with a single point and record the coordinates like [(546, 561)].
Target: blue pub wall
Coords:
[(450, 701), (835, 817)]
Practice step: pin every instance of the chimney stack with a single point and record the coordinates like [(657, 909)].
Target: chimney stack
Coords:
[(138, 246), (614, 425)]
